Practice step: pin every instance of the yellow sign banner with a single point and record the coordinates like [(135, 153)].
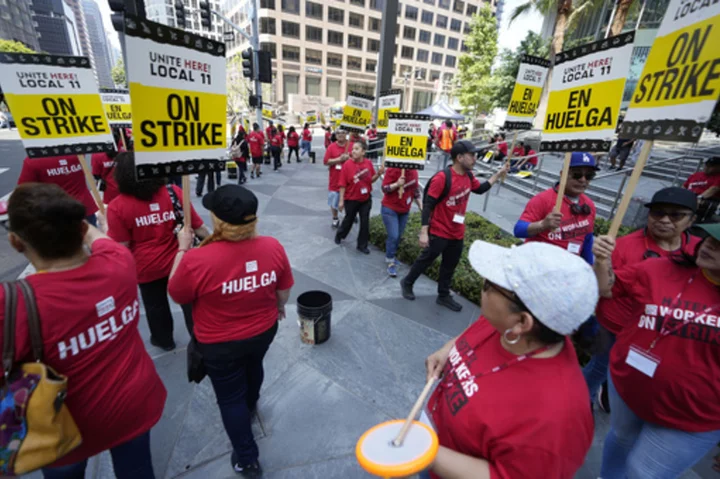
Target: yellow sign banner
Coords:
[(406, 140), (526, 93), (268, 113), (389, 102), (584, 109), (357, 112), (118, 112)]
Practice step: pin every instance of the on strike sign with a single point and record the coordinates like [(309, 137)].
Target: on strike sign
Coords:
[(56, 104), (526, 93), (357, 112), (177, 89), (406, 141), (680, 83), (117, 107), (585, 95), (389, 102)]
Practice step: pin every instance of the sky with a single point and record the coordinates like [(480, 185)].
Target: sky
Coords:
[(511, 36)]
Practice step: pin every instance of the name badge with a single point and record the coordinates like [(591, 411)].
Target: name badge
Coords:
[(363, 191), (642, 360), (574, 248), (409, 200), (338, 167), (458, 218)]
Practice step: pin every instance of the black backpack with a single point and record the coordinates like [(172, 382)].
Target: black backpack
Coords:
[(448, 181)]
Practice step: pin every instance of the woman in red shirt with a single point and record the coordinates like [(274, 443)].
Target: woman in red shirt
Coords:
[(145, 218), (276, 141), (511, 402), (665, 364), (293, 139), (306, 143), (103, 167), (236, 306), (396, 208), (356, 179), (86, 295), (328, 136), (281, 132)]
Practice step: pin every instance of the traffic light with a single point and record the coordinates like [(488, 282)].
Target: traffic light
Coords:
[(131, 7), (264, 67), (254, 101), (180, 13), (247, 64), (205, 14)]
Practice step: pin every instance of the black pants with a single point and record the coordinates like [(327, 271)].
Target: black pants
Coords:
[(275, 152), (451, 250), (157, 309), (211, 181), (352, 209), (296, 149), (236, 372)]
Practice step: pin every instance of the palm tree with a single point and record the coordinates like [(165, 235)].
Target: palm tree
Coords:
[(621, 13)]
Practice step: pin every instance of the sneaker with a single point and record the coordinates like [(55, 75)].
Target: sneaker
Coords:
[(407, 290), (336, 223), (449, 303), (337, 239), (392, 270), (252, 470), (602, 398), (252, 176), (164, 347), (363, 250)]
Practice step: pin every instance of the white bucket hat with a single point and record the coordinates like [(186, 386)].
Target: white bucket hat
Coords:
[(558, 287)]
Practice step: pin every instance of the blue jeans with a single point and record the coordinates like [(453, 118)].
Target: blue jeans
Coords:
[(92, 219), (635, 449), (596, 370), (394, 225), (305, 147), (131, 460)]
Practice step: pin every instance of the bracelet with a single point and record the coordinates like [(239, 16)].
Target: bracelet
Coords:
[(182, 251)]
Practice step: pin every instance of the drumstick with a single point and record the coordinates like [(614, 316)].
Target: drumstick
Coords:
[(398, 441)]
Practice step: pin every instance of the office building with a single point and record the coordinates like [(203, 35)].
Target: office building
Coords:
[(57, 27), (322, 50), (16, 23), (163, 11), (76, 6), (98, 44)]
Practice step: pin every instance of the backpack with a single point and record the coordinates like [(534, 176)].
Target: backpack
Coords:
[(446, 139), (446, 188)]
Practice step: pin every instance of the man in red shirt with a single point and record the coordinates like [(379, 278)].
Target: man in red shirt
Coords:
[(443, 221), (328, 136), (335, 155), (268, 131), (502, 147), (306, 142), (706, 185), (256, 142), (371, 135), (103, 168)]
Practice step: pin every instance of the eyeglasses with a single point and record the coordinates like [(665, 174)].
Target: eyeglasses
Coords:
[(675, 216), (589, 175), (510, 296), (582, 209)]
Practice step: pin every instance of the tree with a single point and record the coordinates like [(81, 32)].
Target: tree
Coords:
[(14, 47), (506, 73), (474, 84), (621, 13), (118, 74)]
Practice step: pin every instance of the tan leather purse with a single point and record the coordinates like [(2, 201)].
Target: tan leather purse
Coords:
[(36, 428)]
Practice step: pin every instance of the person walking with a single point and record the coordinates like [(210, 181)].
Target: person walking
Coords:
[(103, 168), (256, 142), (336, 154), (664, 366), (621, 150), (281, 132), (328, 136), (443, 220), (446, 139), (306, 143), (510, 401), (86, 295), (399, 190), (276, 142), (268, 131), (236, 306), (371, 135), (240, 154), (293, 139), (145, 217)]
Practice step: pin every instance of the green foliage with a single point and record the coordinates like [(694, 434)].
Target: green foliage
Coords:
[(602, 226), (506, 73), (238, 87), (474, 85), (14, 47), (118, 74)]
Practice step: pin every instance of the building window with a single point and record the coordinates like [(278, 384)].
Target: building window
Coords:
[(291, 6), (335, 38), (455, 25), (450, 61), (425, 36), (355, 42), (437, 58), (370, 66), (422, 55), (364, 88), (471, 10), (407, 52), (444, 4), (334, 60), (421, 74), (313, 34), (354, 63), (267, 4), (291, 86), (374, 24), (269, 47), (377, 5), (421, 100), (463, 47), (359, 3), (291, 53), (439, 40), (429, 2), (313, 10), (267, 25), (312, 86), (373, 46), (313, 57), (333, 88), (434, 75), (466, 29), (356, 20), (335, 15), (409, 33), (453, 43), (411, 13), (459, 6), (427, 17), (441, 21), (290, 29)]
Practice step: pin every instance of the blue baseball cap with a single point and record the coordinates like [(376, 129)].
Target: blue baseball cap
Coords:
[(581, 158)]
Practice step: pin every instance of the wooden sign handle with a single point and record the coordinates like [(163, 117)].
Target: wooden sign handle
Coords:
[(630, 188), (186, 200), (510, 153), (122, 138), (401, 190), (563, 182), (92, 184)]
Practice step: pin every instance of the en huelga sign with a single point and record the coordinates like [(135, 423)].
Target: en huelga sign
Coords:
[(406, 140), (55, 103), (357, 111), (117, 107), (177, 89), (389, 101), (526, 93)]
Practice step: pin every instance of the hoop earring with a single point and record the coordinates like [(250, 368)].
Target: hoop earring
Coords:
[(505, 337)]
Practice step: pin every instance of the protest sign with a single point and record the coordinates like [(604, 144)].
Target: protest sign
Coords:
[(177, 89), (357, 112), (680, 84), (585, 95), (526, 93), (117, 107), (390, 101), (406, 140), (55, 103), (311, 117), (267, 112)]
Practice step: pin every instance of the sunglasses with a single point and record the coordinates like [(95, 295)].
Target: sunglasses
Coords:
[(583, 209), (675, 216), (487, 285), (589, 175)]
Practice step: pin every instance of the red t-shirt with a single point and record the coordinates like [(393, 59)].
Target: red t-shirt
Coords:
[(614, 313), (393, 200), (699, 182), (328, 135), (64, 171), (307, 135), (282, 135), (268, 132), (277, 140), (356, 178), (683, 393), (256, 141), (148, 227), (293, 139), (234, 299), (104, 167), (503, 147), (533, 160), (532, 419), (335, 151), (89, 318), (448, 218), (518, 151), (573, 228), (371, 134)]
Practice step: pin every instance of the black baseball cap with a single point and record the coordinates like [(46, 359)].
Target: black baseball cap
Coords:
[(463, 146), (714, 161), (674, 196), (233, 204)]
